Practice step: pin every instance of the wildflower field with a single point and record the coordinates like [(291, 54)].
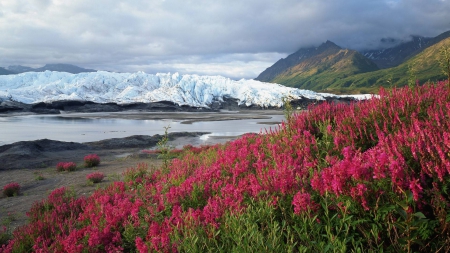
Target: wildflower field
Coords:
[(371, 176)]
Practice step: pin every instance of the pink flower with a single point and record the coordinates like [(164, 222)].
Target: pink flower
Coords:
[(11, 189), (140, 245), (66, 166), (302, 202), (91, 160), (415, 188), (95, 177)]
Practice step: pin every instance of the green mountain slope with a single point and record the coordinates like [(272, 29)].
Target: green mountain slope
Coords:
[(425, 67), (329, 68), (309, 67)]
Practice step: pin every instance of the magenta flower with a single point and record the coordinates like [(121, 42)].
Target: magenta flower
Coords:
[(302, 203), (91, 160), (11, 189), (95, 177)]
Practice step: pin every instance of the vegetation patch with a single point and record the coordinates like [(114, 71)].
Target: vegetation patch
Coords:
[(370, 176), (95, 177), (91, 160), (66, 166), (11, 189)]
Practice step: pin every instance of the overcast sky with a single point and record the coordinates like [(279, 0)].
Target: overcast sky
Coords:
[(233, 38)]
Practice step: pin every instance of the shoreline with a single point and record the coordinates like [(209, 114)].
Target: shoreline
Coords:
[(180, 122), (44, 153), (226, 103), (25, 162)]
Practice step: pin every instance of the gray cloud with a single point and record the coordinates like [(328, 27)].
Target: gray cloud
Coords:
[(237, 39)]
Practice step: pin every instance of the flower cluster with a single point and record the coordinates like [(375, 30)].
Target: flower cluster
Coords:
[(11, 189), (369, 175), (66, 166), (95, 177), (91, 160)]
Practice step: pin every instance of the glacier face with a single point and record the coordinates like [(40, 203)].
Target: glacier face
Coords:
[(125, 88)]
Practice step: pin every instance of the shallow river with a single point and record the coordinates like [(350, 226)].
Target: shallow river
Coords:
[(80, 129)]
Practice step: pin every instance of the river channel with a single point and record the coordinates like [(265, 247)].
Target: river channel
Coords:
[(85, 127)]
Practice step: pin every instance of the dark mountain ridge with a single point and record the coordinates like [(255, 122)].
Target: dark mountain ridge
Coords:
[(61, 67), (5, 72), (394, 56)]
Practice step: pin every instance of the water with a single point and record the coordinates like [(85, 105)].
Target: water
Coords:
[(78, 129)]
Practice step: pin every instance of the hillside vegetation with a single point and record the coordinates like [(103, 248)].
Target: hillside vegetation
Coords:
[(329, 68), (372, 176), (423, 67), (341, 64), (314, 68)]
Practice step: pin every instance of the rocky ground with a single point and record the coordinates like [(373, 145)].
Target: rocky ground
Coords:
[(55, 107), (47, 153)]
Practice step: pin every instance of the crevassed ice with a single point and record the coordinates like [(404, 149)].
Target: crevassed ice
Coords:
[(124, 88)]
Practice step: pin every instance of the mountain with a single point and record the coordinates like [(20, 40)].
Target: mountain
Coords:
[(425, 67), (5, 72), (128, 88), (315, 67), (329, 68), (20, 69), (394, 56), (51, 67), (64, 68)]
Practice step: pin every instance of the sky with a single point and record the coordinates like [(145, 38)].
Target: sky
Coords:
[(232, 38)]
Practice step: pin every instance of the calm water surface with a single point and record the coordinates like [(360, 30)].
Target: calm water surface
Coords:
[(77, 129)]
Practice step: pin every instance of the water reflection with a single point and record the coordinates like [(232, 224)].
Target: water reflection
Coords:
[(79, 129)]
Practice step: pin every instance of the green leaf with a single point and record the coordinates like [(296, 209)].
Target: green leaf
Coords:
[(402, 212), (420, 215)]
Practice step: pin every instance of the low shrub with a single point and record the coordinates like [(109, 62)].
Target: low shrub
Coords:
[(38, 176), (60, 166), (95, 177), (5, 235), (151, 152), (66, 166), (11, 189), (91, 160)]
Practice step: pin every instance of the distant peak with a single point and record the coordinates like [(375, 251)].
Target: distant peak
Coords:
[(59, 65), (414, 37), (329, 44)]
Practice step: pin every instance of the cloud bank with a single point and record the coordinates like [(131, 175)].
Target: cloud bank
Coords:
[(236, 39)]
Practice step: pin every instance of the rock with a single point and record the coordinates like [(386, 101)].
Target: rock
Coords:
[(138, 141), (8, 106), (42, 153), (25, 153)]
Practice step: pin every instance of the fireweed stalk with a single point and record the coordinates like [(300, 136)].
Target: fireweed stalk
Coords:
[(91, 160), (66, 166), (11, 189), (95, 177), (369, 176)]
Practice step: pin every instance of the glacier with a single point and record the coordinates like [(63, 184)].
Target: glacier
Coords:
[(140, 87)]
